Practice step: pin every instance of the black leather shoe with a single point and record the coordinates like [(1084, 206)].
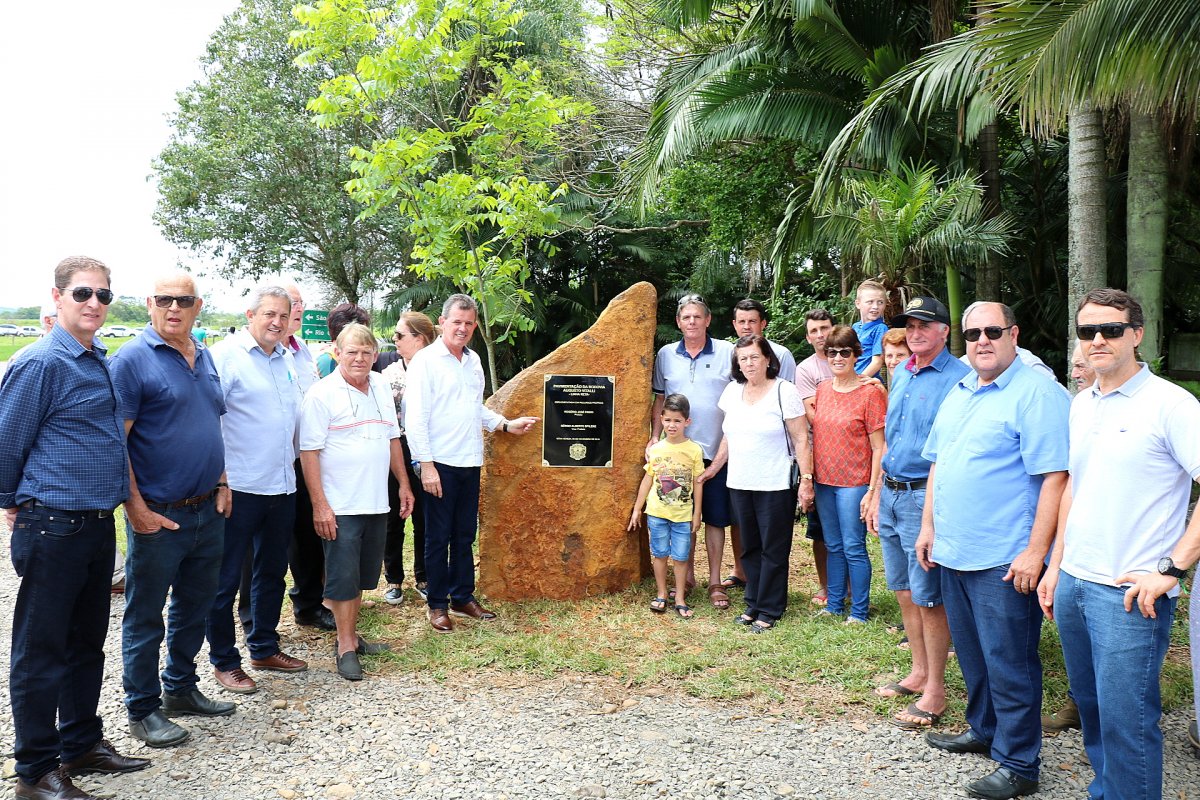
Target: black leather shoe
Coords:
[(321, 619), (54, 785), (104, 759), (348, 666), (158, 731), (1002, 784), (194, 703), (965, 742)]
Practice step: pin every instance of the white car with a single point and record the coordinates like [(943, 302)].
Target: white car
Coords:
[(9, 330), (30, 330), (113, 331)]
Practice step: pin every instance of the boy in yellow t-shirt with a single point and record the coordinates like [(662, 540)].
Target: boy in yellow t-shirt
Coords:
[(673, 507)]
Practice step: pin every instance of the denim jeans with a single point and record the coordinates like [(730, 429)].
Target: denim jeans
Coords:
[(1114, 658), (265, 523), (187, 563), (846, 542), (899, 526), (995, 630), (59, 623), (1194, 641), (669, 538), (450, 524)]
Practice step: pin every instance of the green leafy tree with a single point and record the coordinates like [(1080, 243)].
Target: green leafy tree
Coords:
[(471, 166), (249, 180)]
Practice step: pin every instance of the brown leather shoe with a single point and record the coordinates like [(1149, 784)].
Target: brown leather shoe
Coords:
[(280, 662), (105, 759), (236, 680), (55, 785), (472, 610), (440, 621)]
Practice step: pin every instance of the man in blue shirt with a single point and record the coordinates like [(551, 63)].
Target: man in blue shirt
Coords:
[(175, 514), (999, 454), (918, 388), (260, 386), (63, 473)]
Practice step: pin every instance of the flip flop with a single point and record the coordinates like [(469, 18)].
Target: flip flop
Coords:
[(733, 582), (718, 597), (684, 611), (658, 605), (919, 713), (893, 690), (819, 599)]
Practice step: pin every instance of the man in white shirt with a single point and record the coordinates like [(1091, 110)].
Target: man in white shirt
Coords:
[(1124, 545), (443, 417)]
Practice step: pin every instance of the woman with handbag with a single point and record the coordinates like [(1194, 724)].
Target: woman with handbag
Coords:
[(848, 418), (766, 444)]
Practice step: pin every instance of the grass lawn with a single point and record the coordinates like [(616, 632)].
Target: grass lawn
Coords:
[(806, 665), (11, 344)]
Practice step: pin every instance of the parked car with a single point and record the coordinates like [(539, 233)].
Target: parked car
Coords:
[(114, 331), (9, 330), (30, 330)]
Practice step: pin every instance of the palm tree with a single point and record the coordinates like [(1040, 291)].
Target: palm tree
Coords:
[(899, 223)]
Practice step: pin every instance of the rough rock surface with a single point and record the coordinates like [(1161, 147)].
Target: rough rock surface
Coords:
[(559, 532)]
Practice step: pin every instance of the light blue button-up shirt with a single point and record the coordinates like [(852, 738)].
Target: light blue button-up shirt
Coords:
[(992, 444), (913, 402), (262, 398)]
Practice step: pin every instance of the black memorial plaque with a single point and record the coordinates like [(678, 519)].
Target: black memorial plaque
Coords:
[(578, 427)]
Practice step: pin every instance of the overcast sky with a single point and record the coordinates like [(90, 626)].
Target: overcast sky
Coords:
[(87, 90)]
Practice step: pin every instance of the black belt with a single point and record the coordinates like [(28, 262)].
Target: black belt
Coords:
[(99, 513), (191, 501), (905, 486)]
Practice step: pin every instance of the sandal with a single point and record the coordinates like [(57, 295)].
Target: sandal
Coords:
[(761, 626), (684, 611), (719, 599), (658, 605), (820, 598), (743, 619), (928, 719), (891, 690), (733, 582)]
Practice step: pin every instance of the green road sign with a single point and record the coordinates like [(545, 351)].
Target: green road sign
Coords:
[(314, 326)]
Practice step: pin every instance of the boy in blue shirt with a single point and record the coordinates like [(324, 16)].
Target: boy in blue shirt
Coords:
[(870, 300)]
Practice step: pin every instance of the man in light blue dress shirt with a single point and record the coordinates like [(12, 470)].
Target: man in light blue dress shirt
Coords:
[(262, 396)]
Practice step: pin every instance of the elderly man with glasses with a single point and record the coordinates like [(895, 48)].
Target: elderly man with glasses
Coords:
[(63, 473), (998, 455), (1114, 579), (699, 368), (175, 513)]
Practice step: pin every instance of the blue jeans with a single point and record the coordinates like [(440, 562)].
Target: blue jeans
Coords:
[(264, 523), (899, 527), (1114, 658), (669, 538), (846, 541), (59, 623), (450, 524), (995, 630), (187, 563)]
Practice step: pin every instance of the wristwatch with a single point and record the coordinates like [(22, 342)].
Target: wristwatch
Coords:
[(1167, 567)]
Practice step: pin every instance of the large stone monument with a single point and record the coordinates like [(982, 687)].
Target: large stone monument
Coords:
[(554, 505)]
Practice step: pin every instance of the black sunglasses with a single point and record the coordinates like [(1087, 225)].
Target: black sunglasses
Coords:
[(839, 352), (993, 332), (1109, 330), (81, 294), (165, 300)]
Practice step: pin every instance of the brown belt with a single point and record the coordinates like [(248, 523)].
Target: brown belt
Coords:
[(191, 501)]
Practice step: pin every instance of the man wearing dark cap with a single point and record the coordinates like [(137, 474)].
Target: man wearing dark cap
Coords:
[(918, 388)]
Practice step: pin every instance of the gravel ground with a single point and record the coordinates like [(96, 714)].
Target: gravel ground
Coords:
[(489, 736)]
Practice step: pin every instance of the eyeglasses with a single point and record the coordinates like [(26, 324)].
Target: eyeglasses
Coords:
[(298, 303), (1109, 330), (165, 300), (993, 332), (839, 352), (81, 294)]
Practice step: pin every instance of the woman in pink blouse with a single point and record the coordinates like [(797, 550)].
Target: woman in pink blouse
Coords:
[(847, 428)]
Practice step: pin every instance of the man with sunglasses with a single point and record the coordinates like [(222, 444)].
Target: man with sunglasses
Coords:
[(998, 466), (175, 513), (63, 473), (1125, 547)]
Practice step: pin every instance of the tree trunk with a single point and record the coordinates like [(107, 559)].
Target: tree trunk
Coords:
[(955, 305), (987, 275), (1087, 235), (1146, 221), (941, 19)]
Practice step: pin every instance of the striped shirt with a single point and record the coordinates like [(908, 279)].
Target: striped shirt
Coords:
[(61, 432)]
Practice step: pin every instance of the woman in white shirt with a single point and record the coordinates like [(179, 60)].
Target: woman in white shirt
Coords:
[(764, 432)]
